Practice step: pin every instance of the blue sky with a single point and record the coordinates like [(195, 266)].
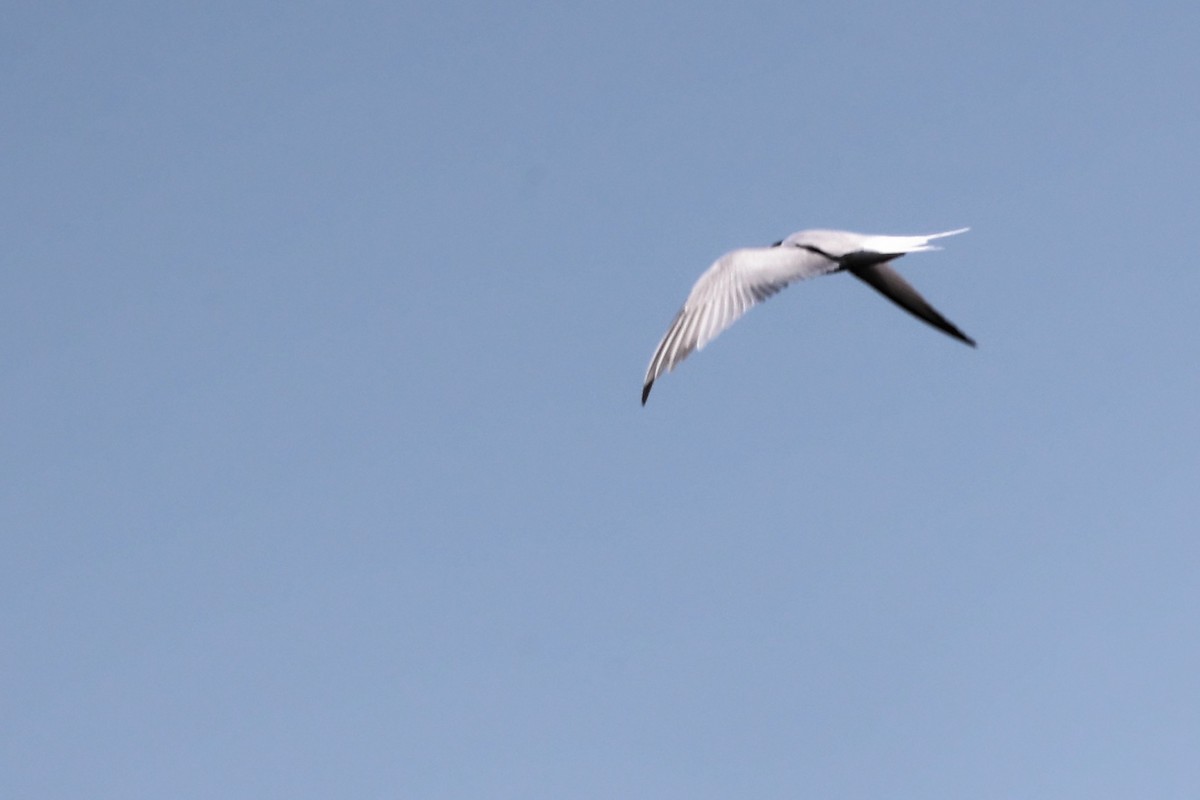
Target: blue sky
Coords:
[(325, 473)]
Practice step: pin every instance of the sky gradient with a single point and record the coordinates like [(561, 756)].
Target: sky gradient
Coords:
[(325, 472)]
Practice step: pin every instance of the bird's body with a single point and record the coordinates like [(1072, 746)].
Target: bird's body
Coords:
[(743, 278)]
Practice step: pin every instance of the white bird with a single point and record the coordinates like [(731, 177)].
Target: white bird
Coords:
[(743, 278)]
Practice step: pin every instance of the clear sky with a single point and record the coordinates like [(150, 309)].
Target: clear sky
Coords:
[(324, 471)]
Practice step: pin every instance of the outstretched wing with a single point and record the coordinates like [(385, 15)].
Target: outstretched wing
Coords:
[(888, 283), (727, 290)]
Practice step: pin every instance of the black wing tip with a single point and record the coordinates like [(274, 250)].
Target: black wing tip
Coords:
[(962, 337), (646, 391)]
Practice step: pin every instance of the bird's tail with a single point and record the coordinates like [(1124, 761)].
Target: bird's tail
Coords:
[(906, 244)]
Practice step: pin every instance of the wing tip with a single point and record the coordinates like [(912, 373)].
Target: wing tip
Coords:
[(962, 337), (646, 390)]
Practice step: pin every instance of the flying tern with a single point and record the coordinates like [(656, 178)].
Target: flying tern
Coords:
[(743, 278)]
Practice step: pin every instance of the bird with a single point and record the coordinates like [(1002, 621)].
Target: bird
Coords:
[(743, 278)]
